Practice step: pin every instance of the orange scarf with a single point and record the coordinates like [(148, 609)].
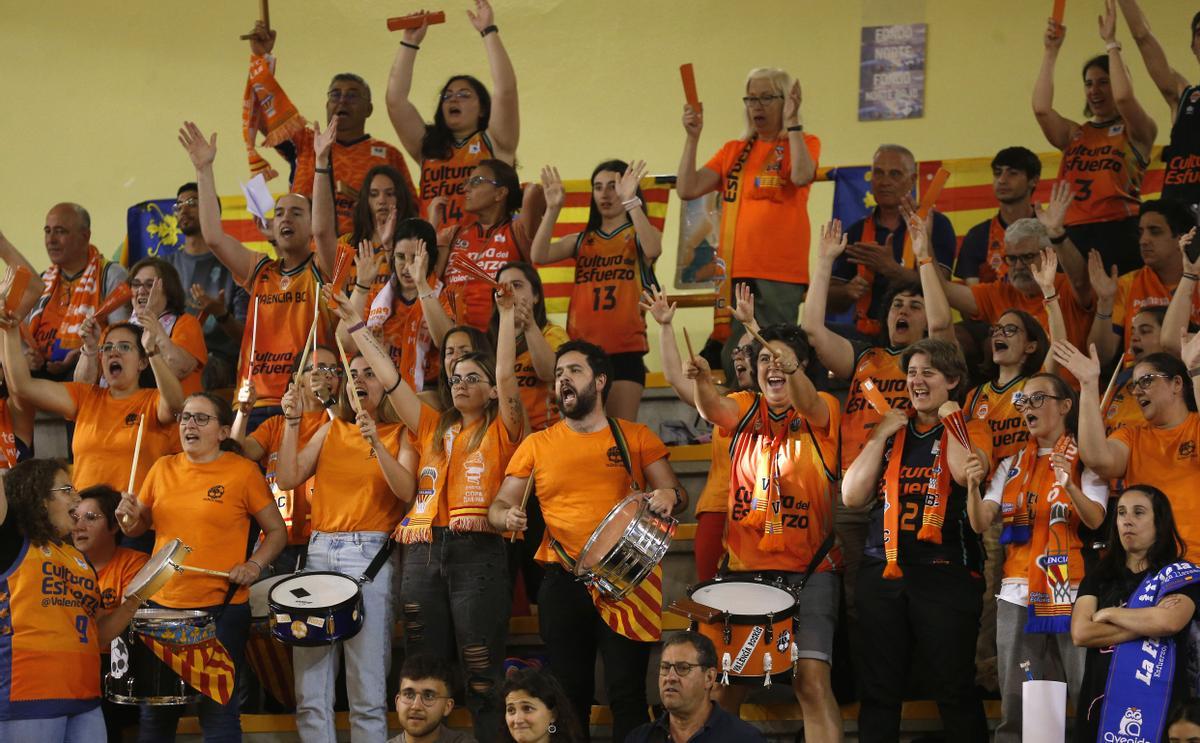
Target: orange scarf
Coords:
[(937, 494), (267, 109), (731, 200), (85, 297), (862, 313), (766, 509), (417, 524)]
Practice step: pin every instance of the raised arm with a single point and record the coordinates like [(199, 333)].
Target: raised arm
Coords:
[(244, 404), (407, 405), (1045, 271), (15, 259), (504, 127), (648, 236), (654, 301), (180, 361), (980, 512), (1190, 353), (1166, 78), (958, 457), (42, 394), (1058, 130), (1138, 124), (87, 370), (1107, 458), (399, 478), (714, 407), (544, 248), (834, 351), (803, 169), (1053, 216), (295, 465), (690, 182), (324, 216), (406, 119), (861, 478), (366, 268), (512, 411), (1104, 285), (170, 391), (541, 355), (431, 307), (937, 307), (1175, 322)]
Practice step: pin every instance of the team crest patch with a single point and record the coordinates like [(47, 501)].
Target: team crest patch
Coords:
[(473, 148), (1187, 450), (1115, 129), (614, 457), (285, 282), (795, 426), (131, 419), (378, 151), (215, 493)]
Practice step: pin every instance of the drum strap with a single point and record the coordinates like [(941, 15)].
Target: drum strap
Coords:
[(623, 448), (377, 562), (818, 556)]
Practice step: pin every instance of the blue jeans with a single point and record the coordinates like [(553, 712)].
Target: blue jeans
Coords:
[(85, 727), (368, 654), (218, 722), (456, 601)]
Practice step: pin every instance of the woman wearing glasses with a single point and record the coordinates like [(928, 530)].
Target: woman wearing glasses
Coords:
[(206, 496), (764, 176), (160, 307), (455, 592), (470, 124), (1042, 496), (107, 419), (54, 625)]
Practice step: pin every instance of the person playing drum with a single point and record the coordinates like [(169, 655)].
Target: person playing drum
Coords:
[(362, 469), (786, 437), (581, 470), (455, 593), (207, 496), (51, 623)]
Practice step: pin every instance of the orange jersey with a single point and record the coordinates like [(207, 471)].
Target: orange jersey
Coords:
[(209, 505), (1167, 458), (715, 496), (580, 477), (537, 396), (806, 471), (405, 335), (994, 406), (489, 249), (106, 434), (350, 163), (49, 640), (8, 439), (610, 274), (116, 576), (1105, 172), (1140, 289), (883, 366), (293, 504), (187, 333), (281, 306), (995, 298), (772, 230), (351, 493), (448, 178)]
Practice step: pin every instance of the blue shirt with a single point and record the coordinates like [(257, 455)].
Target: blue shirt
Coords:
[(720, 727)]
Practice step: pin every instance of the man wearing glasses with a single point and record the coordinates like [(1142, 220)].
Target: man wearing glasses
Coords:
[(212, 291), (425, 701), (687, 675)]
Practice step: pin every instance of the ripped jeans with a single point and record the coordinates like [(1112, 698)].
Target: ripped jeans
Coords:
[(455, 602)]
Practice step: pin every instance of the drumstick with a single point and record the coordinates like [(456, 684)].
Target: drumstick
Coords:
[(137, 450), (524, 499), (754, 334), (264, 14), (1060, 8), (253, 343), (206, 571), (688, 74), (688, 341), (415, 20), (349, 384), (930, 196)]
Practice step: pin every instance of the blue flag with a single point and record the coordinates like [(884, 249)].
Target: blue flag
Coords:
[(851, 192), (151, 231)]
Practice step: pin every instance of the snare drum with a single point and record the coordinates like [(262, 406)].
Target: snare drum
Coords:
[(625, 547), (317, 608), (136, 675), (750, 621), (158, 570)]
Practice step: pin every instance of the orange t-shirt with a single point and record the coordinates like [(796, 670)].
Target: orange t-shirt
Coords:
[(715, 496), (994, 406), (351, 493), (580, 477), (449, 177), (283, 301), (106, 434), (1140, 289), (49, 641), (772, 231), (115, 577), (538, 396), (1167, 458), (350, 163), (209, 506), (806, 468), (293, 504), (489, 249), (883, 366), (995, 298), (610, 274), (405, 335), (1105, 171), (188, 334)]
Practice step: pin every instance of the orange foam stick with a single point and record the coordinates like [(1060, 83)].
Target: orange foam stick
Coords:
[(118, 297), (932, 192), (16, 289), (875, 398), (341, 272), (415, 21), (1060, 8), (689, 85)]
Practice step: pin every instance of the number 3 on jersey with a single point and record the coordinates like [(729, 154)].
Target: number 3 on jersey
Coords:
[(604, 297)]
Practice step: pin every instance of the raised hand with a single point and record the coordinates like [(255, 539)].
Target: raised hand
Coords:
[(204, 302), (654, 301), (483, 15), (128, 511), (879, 258), (201, 151), (552, 187), (1189, 349), (1045, 270), (366, 426), (366, 264), (345, 310), (1104, 283), (1084, 368), (743, 308), (791, 105), (1054, 213), (435, 210), (262, 39), (693, 121), (696, 368), (384, 232), (833, 241), (1055, 33), (418, 266), (290, 402), (416, 35), (975, 471), (89, 332), (918, 229), (323, 140), (1108, 22), (246, 397), (892, 421), (628, 185), (151, 337), (1185, 240)]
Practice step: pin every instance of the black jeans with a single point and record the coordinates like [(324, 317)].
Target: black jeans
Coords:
[(932, 614), (574, 632)]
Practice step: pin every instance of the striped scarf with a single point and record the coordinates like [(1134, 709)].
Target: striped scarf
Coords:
[(85, 298), (933, 515)]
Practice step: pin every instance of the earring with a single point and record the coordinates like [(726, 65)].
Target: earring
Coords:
[(552, 729)]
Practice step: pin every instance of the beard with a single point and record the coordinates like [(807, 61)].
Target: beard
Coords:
[(584, 404)]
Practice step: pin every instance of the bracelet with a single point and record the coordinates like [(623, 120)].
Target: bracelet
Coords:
[(292, 417), (632, 204), (796, 128), (1104, 316), (356, 327), (152, 354), (925, 261), (490, 30), (426, 295), (326, 171), (1192, 276), (407, 45), (86, 352), (1050, 298), (676, 497), (392, 389), (255, 564), (1193, 373), (1059, 240), (1112, 46), (360, 287)]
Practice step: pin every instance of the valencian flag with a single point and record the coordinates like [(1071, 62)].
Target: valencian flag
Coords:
[(152, 230), (205, 666)]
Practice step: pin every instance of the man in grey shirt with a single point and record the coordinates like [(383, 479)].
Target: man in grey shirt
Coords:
[(425, 701)]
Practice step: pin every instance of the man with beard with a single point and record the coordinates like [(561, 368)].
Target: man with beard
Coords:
[(1015, 174), (425, 701), (583, 466), (214, 292)]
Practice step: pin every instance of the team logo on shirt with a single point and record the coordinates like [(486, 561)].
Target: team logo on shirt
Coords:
[(1187, 450), (795, 425), (131, 419), (1115, 129), (378, 151), (473, 148), (981, 410), (215, 493), (285, 282), (1194, 97), (614, 457)]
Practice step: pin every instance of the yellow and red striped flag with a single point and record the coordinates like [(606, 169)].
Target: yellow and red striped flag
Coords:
[(205, 666)]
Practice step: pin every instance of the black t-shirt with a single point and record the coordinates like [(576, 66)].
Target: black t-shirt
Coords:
[(1111, 592), (960, 544), (10, 541), (1181, 181)]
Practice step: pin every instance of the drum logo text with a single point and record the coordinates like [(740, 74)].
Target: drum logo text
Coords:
[(747, 651)]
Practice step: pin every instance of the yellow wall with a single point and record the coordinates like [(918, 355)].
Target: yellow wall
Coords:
[(94, 92)]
